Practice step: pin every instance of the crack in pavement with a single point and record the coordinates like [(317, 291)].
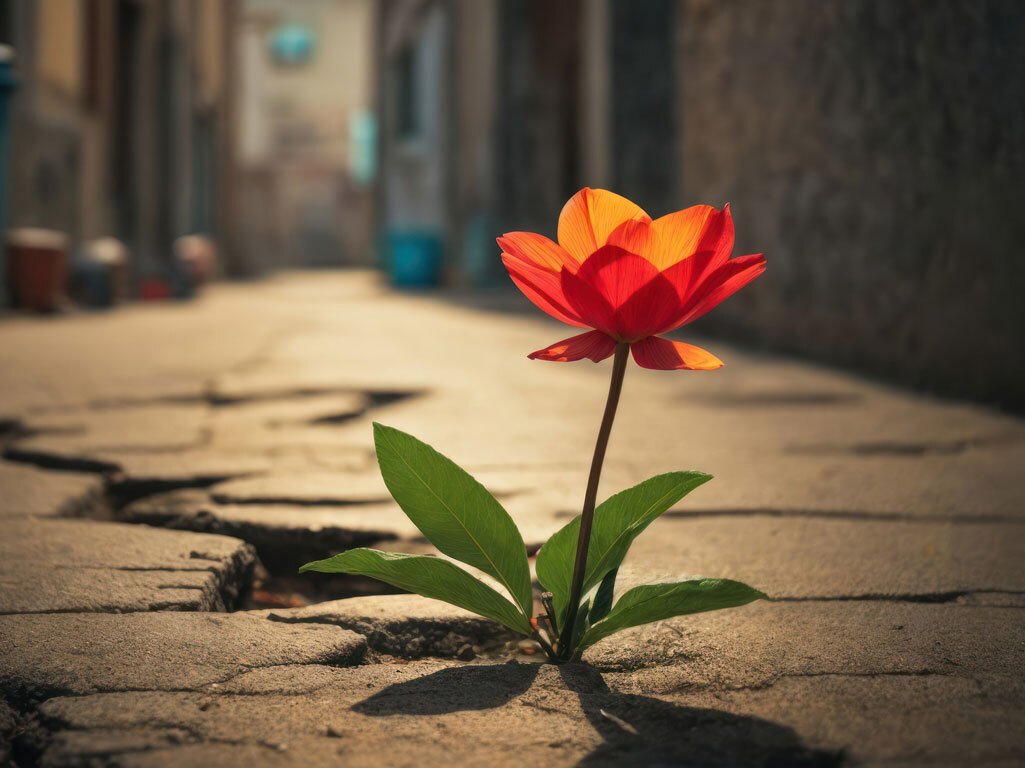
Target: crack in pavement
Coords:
[(952, 596), (292, 501), (59, 462), (214, 399), (776, 679), (439, 638), (910, 449), (140, 569), (839, 514), (120, 489)]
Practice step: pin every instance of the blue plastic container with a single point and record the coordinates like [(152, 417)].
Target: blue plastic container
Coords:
[(414, 259)]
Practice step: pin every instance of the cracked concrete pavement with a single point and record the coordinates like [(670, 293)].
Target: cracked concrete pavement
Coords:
[(166, 468)]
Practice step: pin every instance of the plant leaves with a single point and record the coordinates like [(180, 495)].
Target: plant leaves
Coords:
[(455, 512), (654, 602), (603, 597), (617, 522), (428, 576)]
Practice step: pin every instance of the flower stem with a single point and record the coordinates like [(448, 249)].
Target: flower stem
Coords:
[(565, 647)]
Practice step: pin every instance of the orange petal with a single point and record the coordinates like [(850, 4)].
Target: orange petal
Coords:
[(594, 345), (543, 287), (636, 236), (665, 355), (536, 249), (589, 217), (698, 228)]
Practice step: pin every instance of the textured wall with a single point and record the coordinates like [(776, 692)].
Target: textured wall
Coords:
[(875, 151)]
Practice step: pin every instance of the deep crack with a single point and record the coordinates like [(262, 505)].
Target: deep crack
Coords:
[(47, 460)]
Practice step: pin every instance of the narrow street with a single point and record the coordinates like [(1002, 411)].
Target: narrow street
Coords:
[(167, 468)]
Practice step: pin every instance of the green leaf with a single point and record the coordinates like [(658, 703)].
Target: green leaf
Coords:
[(454, 511), (654, 602), (603, 597), (617, 522), (428, 576)]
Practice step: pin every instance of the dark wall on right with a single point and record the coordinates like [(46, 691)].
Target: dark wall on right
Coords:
[(875, 151)]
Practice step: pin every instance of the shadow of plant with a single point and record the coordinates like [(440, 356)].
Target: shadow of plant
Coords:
[(456, 689), (636, 730)]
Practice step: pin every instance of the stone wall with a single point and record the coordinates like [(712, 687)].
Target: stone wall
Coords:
[(875, 151)]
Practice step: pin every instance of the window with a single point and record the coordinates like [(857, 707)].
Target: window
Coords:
[(407, 106)]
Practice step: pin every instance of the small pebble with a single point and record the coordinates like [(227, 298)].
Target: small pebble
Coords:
[(528, 647)]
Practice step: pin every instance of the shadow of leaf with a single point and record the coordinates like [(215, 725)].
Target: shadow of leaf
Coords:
[(635, 730), (640, 730), (456, 689)]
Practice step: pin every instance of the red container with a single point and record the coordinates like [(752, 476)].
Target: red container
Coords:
[(37, 267)]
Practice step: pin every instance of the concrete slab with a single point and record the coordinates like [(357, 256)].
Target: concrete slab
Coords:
[(836, 558), (51, 566), (27, 490), (424, 711), (156, 428), (913, 720), (755, 645), (42, 656), (509, 714)]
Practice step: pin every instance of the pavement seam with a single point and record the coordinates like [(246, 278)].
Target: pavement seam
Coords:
[(952, 596), (840, 514)]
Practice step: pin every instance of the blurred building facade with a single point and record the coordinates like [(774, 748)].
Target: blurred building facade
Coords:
[(121, 123), (494, 112), (307, 131), (873, 150)]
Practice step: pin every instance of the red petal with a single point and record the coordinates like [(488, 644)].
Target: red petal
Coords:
[(589, 217), (593, 345), (686, 276), (602, 287), (542, 287), (651, 309), (537, 250), (721, 284), (665, 355), (698, 228)]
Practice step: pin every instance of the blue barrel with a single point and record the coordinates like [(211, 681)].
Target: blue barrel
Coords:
[(414, 259)]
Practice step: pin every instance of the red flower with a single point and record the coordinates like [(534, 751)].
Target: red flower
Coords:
[(628, 277)]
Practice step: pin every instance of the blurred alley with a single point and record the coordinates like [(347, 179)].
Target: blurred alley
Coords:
[(154, 145)]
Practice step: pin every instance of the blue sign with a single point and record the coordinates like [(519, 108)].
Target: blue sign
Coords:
[(292, 44)]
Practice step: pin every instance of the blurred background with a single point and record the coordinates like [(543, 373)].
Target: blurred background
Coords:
[(873, 149)]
